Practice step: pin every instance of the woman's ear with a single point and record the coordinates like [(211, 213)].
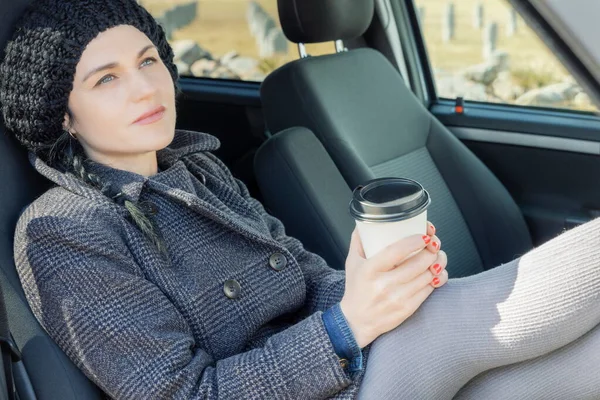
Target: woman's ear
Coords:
[(66, 122)]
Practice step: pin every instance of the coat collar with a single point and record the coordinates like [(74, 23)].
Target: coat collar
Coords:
[(174, 179), (130, 184)]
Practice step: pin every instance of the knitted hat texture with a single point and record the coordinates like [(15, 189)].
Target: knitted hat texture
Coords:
[(37, 72)]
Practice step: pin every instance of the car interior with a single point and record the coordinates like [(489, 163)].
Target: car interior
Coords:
[(502, 178)]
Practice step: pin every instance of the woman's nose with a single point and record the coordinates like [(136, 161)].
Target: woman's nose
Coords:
[(143, 86)]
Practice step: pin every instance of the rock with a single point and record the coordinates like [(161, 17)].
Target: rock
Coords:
[(490, 40), (253, 8), (223, 73), (487, 72), (177, 17), (256, 77), (449, 23), (482, 73), (227, 57), (242, 66), (182, 68), (203, 67), (478, 15), (265, 25), (421, 14), (255, 16), (501, 59), (582, 100), (554, 95), (189, 51), (274, 43), (505, 88), (511, 26), (259, 21), (569, 79), (455, 85)]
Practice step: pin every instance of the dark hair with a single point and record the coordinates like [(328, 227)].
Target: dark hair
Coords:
[(67, 155)]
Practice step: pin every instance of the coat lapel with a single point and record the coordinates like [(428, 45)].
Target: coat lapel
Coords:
[(184, 143), (252, 227)]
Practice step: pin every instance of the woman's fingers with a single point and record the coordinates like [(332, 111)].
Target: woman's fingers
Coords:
[(443, 279), (417, 265), (412, 267), (435, 244), (394, 254), (440, 264), (427, 277), (430, 229)]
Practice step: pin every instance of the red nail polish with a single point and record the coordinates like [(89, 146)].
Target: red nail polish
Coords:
[(426, 239), (435, 245), (437, 268), (436, 281)]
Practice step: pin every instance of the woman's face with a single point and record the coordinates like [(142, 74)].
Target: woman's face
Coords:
[(119, 78)]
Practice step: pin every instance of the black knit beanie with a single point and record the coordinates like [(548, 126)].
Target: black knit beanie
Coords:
[(36, 75)]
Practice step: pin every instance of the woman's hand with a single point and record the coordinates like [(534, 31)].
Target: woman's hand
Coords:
[(384, 290)]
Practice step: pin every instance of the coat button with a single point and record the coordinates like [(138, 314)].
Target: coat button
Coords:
[(277, 261), (343, 363), (151, 208), (232, 289)]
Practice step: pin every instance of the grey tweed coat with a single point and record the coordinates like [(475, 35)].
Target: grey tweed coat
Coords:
[(217, 318)]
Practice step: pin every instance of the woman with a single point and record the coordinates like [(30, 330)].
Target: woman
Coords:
[(155, 271)]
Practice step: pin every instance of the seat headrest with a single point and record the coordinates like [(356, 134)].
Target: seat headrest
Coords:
[(316, 21)]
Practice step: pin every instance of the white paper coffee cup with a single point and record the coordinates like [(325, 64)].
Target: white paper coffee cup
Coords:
[(387, 210)]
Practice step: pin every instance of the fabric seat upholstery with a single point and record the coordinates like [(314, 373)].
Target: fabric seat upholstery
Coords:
[(301, 185), (372, 126)]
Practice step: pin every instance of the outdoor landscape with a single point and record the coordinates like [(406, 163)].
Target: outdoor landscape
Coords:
[(222, 26), (242, 39)]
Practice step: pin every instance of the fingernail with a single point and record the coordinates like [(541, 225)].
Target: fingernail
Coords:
[(432, 228), (437, 268), (435, 245), (436, 281), (426, 239)]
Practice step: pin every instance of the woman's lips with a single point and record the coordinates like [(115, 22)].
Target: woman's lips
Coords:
[(151, 117)]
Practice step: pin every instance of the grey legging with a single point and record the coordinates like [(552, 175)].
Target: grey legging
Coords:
[(523, 330)]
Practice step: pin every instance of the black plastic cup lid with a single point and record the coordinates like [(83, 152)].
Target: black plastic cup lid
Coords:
[(388, 200)]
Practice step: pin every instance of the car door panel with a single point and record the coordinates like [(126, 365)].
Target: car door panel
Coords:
[(545, 157), (230, 111)]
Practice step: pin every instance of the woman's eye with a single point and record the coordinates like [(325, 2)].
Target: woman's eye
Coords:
[(105, 79), (151, 59), (108, 78)]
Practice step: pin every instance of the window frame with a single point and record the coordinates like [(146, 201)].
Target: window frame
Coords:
[(223, 91), (422, 69)]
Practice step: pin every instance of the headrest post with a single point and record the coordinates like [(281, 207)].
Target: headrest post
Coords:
[(302, 50), (339, 46)]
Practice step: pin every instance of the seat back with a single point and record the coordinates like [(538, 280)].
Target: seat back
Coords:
[(51, 372), (301, 185), (372, 126)]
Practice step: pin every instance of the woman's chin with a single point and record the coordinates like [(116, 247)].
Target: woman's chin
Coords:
[(155, 138)]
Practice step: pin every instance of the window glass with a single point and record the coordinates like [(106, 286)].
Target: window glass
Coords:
[(483, 51), (227, 39)]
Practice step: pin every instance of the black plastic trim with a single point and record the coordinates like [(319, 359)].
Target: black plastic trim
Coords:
[(222, 91), (421, 48), (548, 122)]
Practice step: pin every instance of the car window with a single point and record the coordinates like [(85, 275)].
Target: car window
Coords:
[(227, 39), (483, 51)]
